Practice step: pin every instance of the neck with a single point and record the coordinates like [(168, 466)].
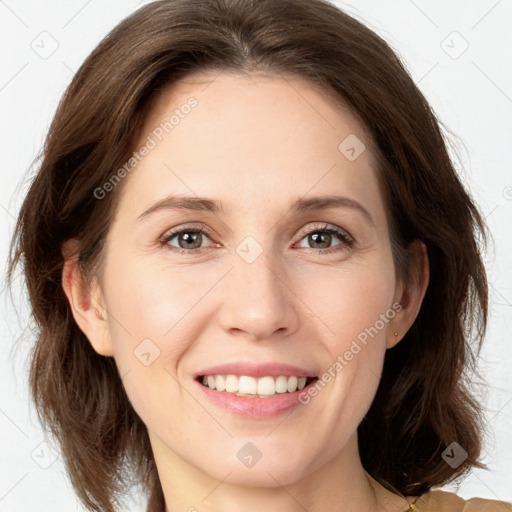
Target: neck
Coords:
[(341, 484)]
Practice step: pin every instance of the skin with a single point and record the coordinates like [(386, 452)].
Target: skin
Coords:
[(250, 137)]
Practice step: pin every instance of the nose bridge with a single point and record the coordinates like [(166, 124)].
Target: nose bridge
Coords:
[(258, 299)]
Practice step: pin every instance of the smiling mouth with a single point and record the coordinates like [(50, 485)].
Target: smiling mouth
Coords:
[(262, 387)]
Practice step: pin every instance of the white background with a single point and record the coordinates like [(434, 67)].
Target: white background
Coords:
[(471, 94)]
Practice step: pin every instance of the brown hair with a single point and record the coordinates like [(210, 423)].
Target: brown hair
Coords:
[(423, 402)]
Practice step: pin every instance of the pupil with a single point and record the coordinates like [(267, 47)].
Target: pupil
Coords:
[(189, 238), (316, 236)]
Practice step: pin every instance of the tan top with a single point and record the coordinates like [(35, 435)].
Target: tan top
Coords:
[(443, 501)]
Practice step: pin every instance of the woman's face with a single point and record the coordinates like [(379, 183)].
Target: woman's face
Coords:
[(253, 278)]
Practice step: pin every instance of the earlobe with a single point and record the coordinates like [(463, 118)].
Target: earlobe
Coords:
[(410, 294), (86, 302)]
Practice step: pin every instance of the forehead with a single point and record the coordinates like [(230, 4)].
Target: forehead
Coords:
[(241, 98), (250, 137)]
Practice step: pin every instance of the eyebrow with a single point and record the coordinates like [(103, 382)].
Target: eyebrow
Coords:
[(176, 202)]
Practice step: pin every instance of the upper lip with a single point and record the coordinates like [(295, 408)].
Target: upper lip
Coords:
[(256, 370)]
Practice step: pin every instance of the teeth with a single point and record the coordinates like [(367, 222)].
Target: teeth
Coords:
[(281, 384), (220, 383), (250, 386), (292, 384), (245, 385)]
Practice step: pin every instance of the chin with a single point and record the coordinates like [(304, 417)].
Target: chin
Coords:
[(271, 474)]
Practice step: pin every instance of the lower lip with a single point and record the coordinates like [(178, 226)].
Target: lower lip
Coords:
[(254, 407)]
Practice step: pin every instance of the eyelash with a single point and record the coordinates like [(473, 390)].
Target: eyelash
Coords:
[(346, 240)]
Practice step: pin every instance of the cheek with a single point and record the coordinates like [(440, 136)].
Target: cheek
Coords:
[(352, 349), (349, 301), (151, 328), (355, 308), (157, 314), (154, 300)]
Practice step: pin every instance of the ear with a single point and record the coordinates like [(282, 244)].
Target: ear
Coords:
[(410, 294), (86, 301)]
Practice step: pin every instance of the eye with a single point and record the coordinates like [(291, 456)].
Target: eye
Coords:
[(188, 239), (323, 236)]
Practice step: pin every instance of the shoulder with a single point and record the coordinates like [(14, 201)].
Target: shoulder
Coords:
[(443, 501)]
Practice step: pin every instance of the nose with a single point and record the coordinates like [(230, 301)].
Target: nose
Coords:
[(259, 301)]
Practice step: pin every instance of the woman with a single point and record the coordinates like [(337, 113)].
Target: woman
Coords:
[(193, 335)]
